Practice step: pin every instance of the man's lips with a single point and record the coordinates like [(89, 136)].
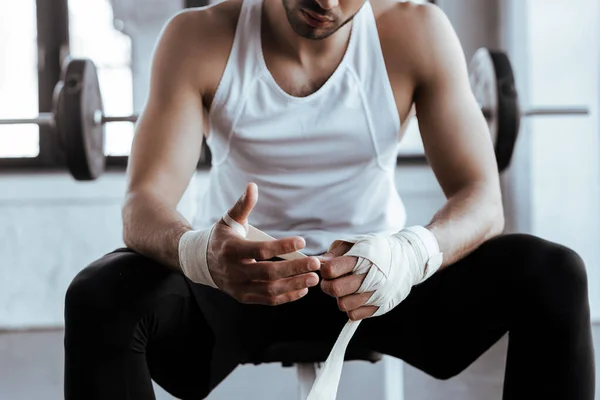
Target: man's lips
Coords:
[(321, 18), (316, 20)]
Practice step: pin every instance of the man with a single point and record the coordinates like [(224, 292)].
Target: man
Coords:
[(305, 99)]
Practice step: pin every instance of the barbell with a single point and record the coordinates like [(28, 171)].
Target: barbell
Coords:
[(493, 84), (78, 119), (78, 114)]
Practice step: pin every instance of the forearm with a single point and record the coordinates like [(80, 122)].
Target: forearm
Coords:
[(152, 228), (468, 219)]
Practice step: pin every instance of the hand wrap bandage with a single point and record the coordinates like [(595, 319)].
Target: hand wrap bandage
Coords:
[(393, 265), (193, 250)]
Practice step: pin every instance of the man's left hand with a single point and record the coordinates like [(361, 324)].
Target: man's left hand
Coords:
[(339, 282)]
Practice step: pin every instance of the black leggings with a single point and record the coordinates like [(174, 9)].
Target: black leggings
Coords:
[(130, 320)]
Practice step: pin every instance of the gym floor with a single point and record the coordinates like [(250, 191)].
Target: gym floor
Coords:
[(31, 367)]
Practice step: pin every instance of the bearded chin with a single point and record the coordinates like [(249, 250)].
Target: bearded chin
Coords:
[(293, 14)]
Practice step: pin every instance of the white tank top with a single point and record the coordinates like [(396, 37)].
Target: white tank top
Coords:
[(325, 163)]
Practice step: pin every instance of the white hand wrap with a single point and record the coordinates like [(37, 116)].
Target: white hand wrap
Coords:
[(193, 249), (393, 265)]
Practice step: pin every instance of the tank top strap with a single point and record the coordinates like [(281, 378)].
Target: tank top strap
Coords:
[(370, 70), (241, 71)]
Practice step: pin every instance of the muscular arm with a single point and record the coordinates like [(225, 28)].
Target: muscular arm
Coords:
[(457, 144), (166, 147)]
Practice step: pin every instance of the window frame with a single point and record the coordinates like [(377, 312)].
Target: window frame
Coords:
[(53, 47)]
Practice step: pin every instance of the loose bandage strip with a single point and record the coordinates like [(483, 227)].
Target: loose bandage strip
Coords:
[(392, 264)]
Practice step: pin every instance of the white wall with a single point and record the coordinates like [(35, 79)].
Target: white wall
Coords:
[(51, 228), (564, 68)]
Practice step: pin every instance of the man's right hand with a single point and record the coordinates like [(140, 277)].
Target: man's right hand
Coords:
[(241, 267)]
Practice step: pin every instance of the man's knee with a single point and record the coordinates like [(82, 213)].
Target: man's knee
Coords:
[(96, 288), (564, 284), (548, 272), (557, 268), (533, 257), (109, 297), (87, 292), (568, 269), (91, 300)]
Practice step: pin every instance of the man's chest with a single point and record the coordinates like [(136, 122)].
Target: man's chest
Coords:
[(304, 81), (299, 82)]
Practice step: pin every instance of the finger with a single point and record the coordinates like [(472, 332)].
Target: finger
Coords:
[(266, 250), (353, 301), (275, 270), (253, 298), (338, 249), (243, 207), (272, 289), (362, 313), (343, 286), (337, 267)]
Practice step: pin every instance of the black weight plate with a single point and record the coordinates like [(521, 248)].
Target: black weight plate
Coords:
[(77, 104), (57, 104), (493, 85)]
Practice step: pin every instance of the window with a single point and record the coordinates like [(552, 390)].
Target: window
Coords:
[(93, 35), (18, 78)]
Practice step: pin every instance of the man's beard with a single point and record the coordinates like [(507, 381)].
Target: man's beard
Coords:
[(303, 29)]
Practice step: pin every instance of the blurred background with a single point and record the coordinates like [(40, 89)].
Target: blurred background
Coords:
[(51, 226)]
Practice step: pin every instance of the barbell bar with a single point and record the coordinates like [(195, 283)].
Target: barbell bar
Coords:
[(44, 119), (539, 112), (47, 119), (549, 112), (78, 115), (99, 118)]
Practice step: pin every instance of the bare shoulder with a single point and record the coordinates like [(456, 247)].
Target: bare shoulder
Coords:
[(200, 40), (203, 25), (413, 35)]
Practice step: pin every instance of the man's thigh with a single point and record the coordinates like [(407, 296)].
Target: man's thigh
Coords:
[(448, 321), (129, 319)]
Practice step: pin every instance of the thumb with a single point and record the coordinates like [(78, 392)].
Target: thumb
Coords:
[(337, 249), (245, 204)]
